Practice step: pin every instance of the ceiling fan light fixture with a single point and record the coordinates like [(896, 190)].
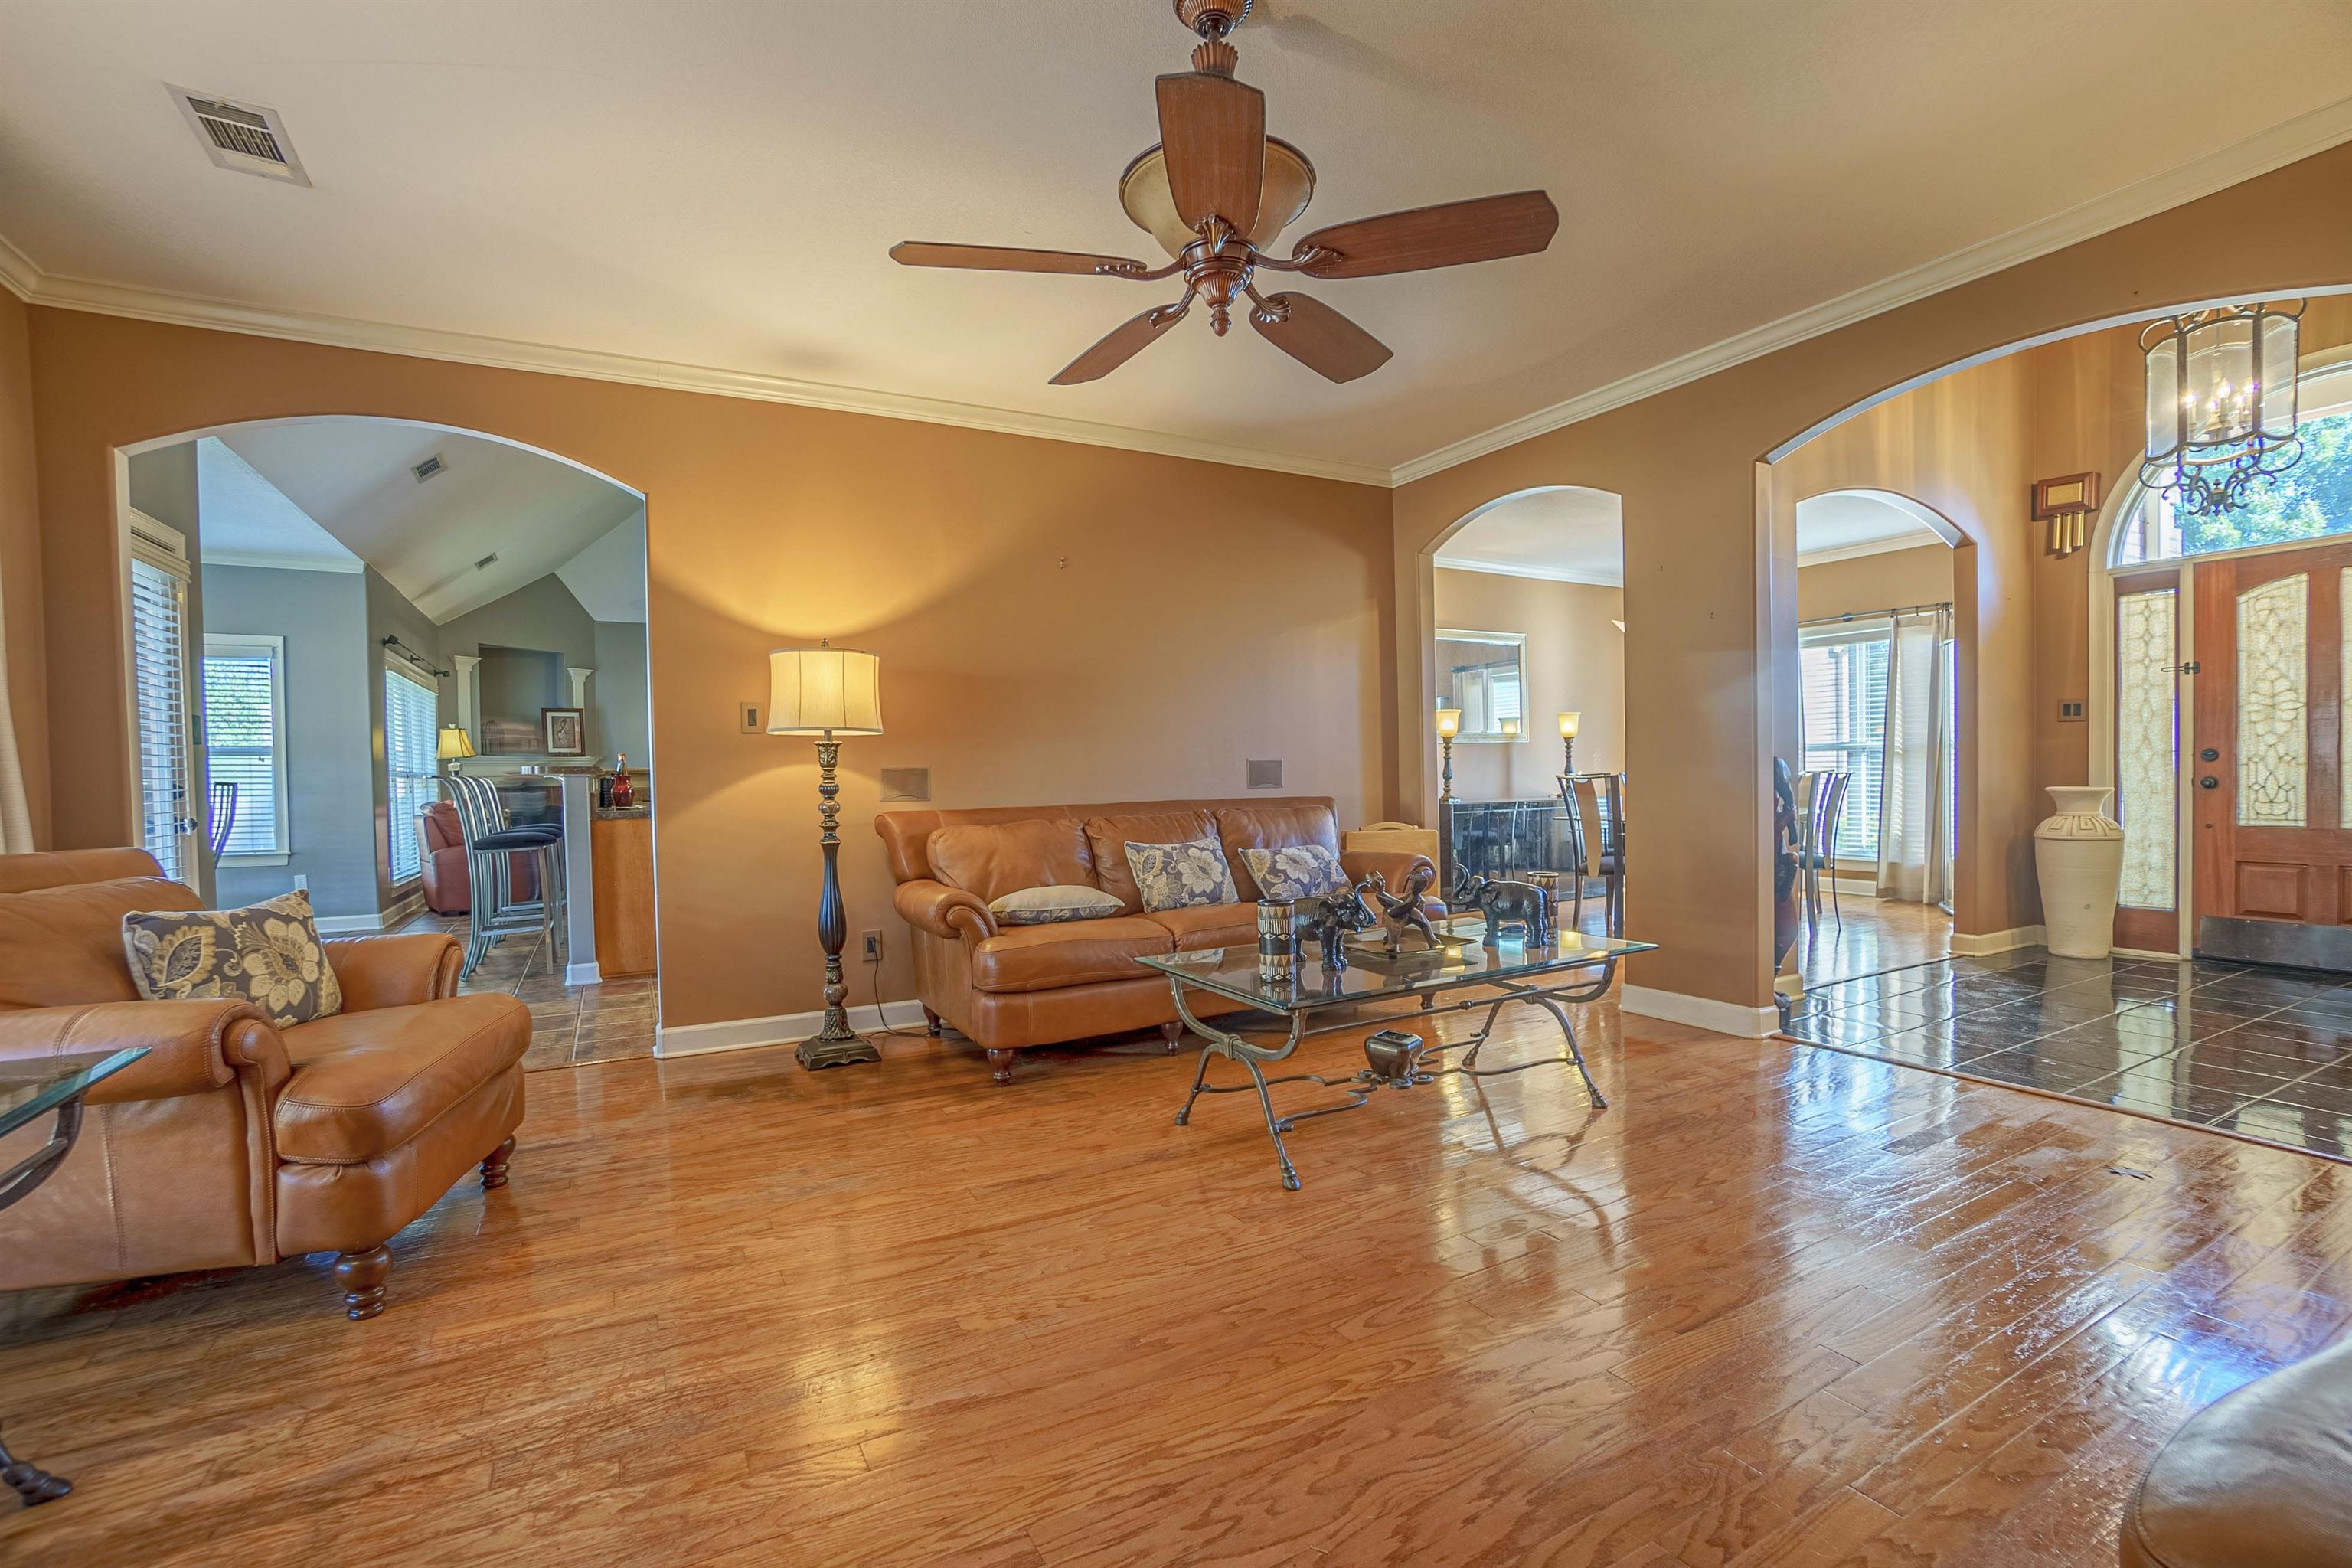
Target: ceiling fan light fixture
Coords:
[(1144, 196)]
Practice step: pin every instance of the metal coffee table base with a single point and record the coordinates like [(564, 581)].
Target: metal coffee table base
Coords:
[(1360, 1086)]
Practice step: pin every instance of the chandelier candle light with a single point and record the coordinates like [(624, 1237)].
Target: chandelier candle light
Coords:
[(1568, 727), (2220, 402), (827, 691)]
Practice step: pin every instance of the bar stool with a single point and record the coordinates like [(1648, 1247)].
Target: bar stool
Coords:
[(491, 841)]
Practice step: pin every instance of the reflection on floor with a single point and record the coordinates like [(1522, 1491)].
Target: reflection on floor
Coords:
[(2261, 1052), (1875, 935), (568, 1024), (1775, 1305)]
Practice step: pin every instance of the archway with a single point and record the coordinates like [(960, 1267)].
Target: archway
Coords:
[(328, 615)]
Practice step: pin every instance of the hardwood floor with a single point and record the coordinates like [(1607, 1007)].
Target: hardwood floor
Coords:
[(1778, 1304), (1875, 935)]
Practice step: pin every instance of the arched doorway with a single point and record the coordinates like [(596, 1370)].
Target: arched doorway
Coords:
[(1527, 669), (327, 617), (1879, 659)]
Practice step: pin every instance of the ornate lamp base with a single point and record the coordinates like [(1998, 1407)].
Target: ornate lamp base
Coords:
[(835, 1045), (827, 1049)]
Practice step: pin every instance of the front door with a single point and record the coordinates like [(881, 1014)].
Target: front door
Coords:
[(2272, 796)]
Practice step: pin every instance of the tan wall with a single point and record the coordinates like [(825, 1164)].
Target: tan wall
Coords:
[(1920, 575), (1574, 660), (1709, 546), (20, 561), (1055, 622)]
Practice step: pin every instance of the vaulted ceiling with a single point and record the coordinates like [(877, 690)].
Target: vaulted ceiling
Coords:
[(717, 185)]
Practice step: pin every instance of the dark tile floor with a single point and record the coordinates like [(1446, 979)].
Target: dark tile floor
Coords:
[(570, 1025), (2263, 1052)]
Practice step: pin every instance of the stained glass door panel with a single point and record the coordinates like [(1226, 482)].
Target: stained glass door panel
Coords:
[(2272, 795), (2148, 757)]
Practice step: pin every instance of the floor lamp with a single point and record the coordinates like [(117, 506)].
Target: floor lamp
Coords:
[(827, 691)]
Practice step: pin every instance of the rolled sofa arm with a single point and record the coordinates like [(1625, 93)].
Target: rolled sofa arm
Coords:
[(193, 1047), (944, 911), (395, 971)]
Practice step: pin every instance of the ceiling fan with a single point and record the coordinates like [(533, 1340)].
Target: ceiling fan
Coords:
[(1217, 188)]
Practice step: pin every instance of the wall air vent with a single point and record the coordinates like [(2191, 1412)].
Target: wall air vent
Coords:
[(245, 137), (906, 784), (1265, 772), (428, 468)]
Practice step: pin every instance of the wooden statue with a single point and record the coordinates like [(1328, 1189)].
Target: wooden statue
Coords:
[(1334, 916), (1502, 900), (1400, 911)]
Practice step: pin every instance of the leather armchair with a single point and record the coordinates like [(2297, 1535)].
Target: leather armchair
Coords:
[(233, 1141), (441, 854)]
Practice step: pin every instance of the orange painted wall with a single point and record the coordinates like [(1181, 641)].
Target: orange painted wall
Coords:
[(1055, 622), (20, 560)]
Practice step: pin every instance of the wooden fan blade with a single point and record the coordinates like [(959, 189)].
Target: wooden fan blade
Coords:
[(1212, 137), (1122, 344), (1318, 337), (1007, 259), (1486, 229)]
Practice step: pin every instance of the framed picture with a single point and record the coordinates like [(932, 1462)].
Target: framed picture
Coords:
[(563, 732)]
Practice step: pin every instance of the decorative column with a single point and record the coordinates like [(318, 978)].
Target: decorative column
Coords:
[(579, 683), (470, 687)]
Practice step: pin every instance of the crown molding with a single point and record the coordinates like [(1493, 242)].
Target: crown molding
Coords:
[(1540, 573), (2275, 148), (38, 287)]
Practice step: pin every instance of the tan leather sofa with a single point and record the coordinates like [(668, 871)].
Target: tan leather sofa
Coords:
[(2262, 1477), (1033, 986), (232, 1142)]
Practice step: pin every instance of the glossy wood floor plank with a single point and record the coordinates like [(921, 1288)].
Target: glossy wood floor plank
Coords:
[(1778, 1305)]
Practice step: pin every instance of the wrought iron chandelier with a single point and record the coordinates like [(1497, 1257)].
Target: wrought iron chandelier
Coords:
[(2220, 402)]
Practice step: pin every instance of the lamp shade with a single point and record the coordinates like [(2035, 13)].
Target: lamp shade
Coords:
[(454, 743), (1449, 723), (1567, 725), (824, 690)]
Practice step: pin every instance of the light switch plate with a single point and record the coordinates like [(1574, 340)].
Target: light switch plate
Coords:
[(2070, 709), (748, 720)]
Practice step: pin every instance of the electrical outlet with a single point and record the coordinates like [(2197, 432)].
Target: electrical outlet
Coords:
[(748, 720), (872, 944), (301, 882), (2070, 709)]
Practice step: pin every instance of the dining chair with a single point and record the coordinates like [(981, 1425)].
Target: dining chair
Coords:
[(1596, 829), (1826, 810)]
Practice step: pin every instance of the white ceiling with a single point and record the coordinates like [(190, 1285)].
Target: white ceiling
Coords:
[(1568, 535), (608, 578), (1843, 524), (247, 522), (352, 477), (717, 185)]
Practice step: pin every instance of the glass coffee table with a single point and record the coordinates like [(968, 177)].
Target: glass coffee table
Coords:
[(50, 1086), (1572, 968)]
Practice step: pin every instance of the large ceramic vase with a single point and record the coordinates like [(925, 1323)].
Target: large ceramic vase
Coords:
[(2079, 854)]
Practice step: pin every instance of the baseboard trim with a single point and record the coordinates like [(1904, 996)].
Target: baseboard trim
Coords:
[(1700, 1012), (2144, 953), (391, 919), (782, 1028), (589, 973), (1984, 944)]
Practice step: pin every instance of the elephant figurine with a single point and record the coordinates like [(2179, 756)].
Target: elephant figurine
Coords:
[(1500, 900), (1400, 911), (1334, 916)]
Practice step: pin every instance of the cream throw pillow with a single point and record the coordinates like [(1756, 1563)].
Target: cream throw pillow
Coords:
[(1053, 905), (1178, 875), (268, 954)]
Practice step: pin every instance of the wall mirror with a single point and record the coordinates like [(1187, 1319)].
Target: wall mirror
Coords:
[(1482, 674)]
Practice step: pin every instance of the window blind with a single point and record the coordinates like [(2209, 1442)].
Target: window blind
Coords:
[(410, 718), (159, 675), (245, 733), (1844, 672)]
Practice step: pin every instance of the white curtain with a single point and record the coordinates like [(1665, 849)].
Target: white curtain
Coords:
[(15, 817), (1915, 806)]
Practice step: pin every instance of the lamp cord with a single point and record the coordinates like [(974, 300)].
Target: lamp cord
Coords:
[(882, 1024)]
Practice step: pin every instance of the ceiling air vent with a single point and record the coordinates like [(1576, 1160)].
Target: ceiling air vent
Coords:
[(245, 137), (428, 468), (487, 561)]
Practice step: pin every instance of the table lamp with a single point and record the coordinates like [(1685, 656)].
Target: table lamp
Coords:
[(1568, 727), (827, 691), (455, 745), (1449, 725)]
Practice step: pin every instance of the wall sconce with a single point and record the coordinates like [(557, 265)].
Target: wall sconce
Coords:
[(2065, 504)]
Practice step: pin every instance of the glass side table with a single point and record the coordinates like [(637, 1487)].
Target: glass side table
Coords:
[(52, 1086)]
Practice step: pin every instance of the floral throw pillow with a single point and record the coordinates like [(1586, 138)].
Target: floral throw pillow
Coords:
[(268, 954), (1178, 875), (1297, 870)]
